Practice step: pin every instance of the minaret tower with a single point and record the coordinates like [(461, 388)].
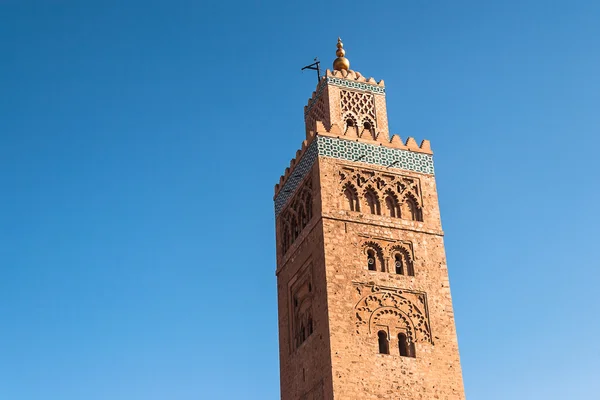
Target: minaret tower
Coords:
[(364, 300)]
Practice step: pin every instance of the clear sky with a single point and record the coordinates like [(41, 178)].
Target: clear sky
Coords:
[(139, 146)]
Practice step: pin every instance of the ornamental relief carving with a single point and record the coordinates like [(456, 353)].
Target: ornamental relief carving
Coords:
[(397, 310), (380, 193)]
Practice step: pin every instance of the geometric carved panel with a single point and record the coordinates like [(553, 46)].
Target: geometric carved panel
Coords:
[(398, 309)]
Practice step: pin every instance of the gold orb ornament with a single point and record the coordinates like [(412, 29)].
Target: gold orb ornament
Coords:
[(341, 62)]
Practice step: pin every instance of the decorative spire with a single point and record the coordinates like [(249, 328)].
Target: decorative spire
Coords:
[(341, 62)]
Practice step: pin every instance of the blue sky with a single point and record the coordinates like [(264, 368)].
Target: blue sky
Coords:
[(139, 146)]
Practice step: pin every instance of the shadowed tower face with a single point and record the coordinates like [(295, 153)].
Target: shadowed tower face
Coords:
[(364, 300)]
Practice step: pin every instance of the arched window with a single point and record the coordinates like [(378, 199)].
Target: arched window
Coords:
[(392, 206), (349, 122), (351, 198), (372, 202), (303, 219), (295, 228), (368, 126), (407, 347), (411, 209), (308, 206), (399, 264), (384, 345), (371, 260)]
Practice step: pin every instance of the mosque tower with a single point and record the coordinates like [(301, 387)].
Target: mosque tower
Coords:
[(364, 301)]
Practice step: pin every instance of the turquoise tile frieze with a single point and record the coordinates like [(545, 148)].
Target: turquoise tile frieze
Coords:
[(355, 85), (373, 154), (296, 176), (350, 150), (343, 83)]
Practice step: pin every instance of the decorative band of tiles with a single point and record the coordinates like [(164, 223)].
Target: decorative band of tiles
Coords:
[(374, 154), (349, 150), (296, 176), (355, 85)]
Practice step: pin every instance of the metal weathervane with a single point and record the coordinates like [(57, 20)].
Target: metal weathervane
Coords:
[(315, 67)]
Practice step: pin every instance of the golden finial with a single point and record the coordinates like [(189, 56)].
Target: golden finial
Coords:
[(341, 62)]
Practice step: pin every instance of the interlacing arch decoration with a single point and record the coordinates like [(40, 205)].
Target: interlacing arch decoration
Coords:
[(351, 194), (392, 204), (411, 208), (397, 310), (398, 195), (372, 201), (296, 216)]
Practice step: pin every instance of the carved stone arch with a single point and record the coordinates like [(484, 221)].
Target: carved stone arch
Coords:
[(350, 193), (368, 126), (305, 199), (392, 204), (410, 305), (286, 233), (406, 259), (350, 120), (411, 207), (308, 206), (378, 253), (302, 215), (371, 197), (395, 319)]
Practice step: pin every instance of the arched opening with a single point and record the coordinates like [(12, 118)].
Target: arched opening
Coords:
[(303, 219), (351, 198), (399, 264), (371, 260), (308, 206), (384, 344), (407, 347), (393, 208), (295, 228), (372, 202), (412, 209), (367, 125)]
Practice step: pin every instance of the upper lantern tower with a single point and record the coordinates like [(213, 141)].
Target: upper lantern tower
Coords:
[(365, 311), (349, 100)]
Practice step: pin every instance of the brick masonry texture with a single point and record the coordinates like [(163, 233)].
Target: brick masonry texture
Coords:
[(328, 330)]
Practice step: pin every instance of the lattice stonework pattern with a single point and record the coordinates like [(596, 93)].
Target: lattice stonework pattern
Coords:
[(360, 104), (351, 151)]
